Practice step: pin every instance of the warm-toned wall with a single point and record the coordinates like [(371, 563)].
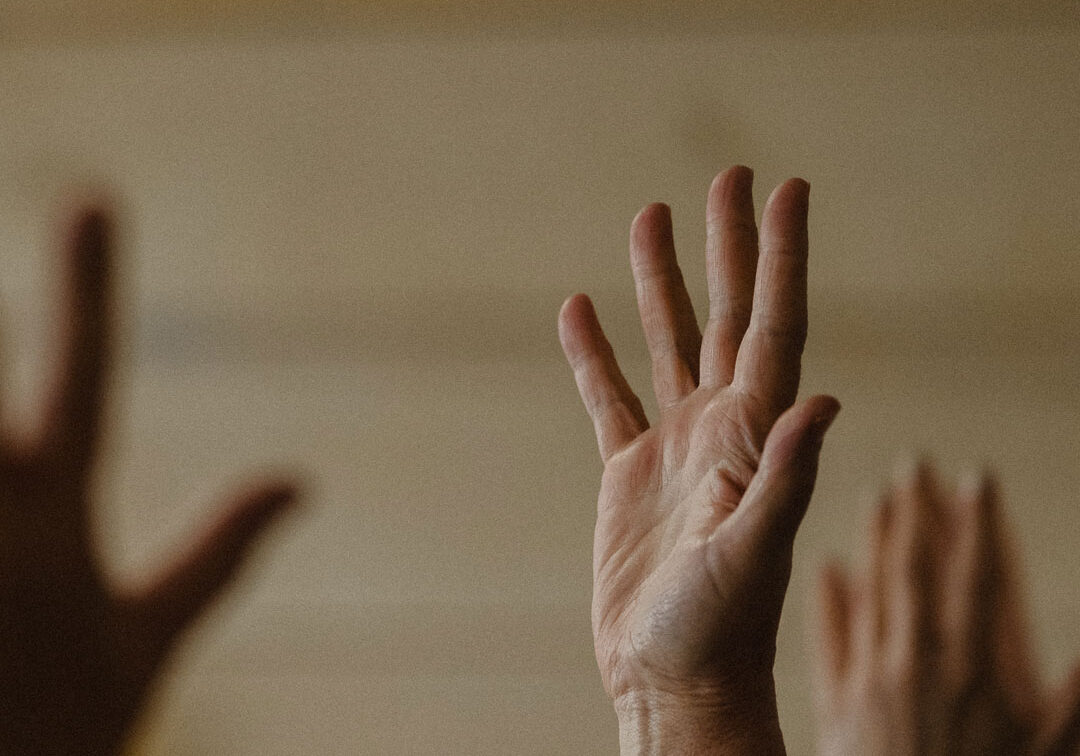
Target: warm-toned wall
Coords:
[(348, 236)]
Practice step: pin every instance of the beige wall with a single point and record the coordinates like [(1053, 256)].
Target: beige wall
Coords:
[(349, 233)]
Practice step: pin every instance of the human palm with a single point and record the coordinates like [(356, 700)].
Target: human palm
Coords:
[(677, 595), (697, 515), (78, 654)]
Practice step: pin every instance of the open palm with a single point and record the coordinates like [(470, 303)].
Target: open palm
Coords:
[(697, 514), (77, 654)]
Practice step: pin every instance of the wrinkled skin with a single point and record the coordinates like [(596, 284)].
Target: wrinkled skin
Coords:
[(78, 655), (697, 514), (926, 653)]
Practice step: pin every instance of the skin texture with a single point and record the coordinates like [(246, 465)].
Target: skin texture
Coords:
[(926, 652), (78, 655), (697, 514)]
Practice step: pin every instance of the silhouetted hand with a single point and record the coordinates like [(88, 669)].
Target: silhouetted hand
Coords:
[(697, 515), (926, 654), (77, 655)]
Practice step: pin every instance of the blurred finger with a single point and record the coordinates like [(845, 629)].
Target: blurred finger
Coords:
[(974, 589), (617, 415), (731, 252), (667, 315), (914, 635), (3, 390), (835, 605), (73, 417), (1011, 644), (876, 617), (1060, 731), (169, 604), (771, 352)]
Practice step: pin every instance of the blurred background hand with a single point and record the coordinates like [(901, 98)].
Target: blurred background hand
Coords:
[(926, 651), (697, 514), (77, 654)]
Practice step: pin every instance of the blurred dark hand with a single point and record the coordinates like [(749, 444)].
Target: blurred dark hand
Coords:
[(78, 655), (697, 515), (926, 654)]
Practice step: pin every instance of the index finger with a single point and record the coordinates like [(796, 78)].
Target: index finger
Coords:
[(73, 418), (771, 352)]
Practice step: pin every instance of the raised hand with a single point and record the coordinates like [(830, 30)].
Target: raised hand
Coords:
[(78, 655), (697, 514), (926, 653)]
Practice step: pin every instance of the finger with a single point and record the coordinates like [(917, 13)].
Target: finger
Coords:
[(835, 604), (731, 252), (975, 577), (5, 431), (1060, 731), (3, 391), (1014, 656), (776, 499), (616, 412), (177, 596), (876, 626), (667, 316), (73, 417), (911, 582), (769, 357)]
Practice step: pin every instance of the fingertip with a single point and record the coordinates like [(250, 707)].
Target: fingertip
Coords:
[(576, 314), (989, 485), (730, 182), (89, 216), (790, 197), (742, 174), (797, 188), (969, 485), (731, 191), (823, 410), (287, 493), (94, 221), (913, 471), (267, 500), (574, 307), (652, 213), (650, 234), (89, 244)]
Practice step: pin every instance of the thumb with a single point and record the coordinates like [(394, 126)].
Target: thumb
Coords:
[(1060, 729), (168, 604), (777, 497)]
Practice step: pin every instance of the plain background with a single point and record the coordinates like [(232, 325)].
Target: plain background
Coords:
[(348, 230)]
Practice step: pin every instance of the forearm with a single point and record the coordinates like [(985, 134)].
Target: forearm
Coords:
[(654, 722)]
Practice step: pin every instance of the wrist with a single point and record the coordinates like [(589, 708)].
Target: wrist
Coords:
[(700, 722)]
